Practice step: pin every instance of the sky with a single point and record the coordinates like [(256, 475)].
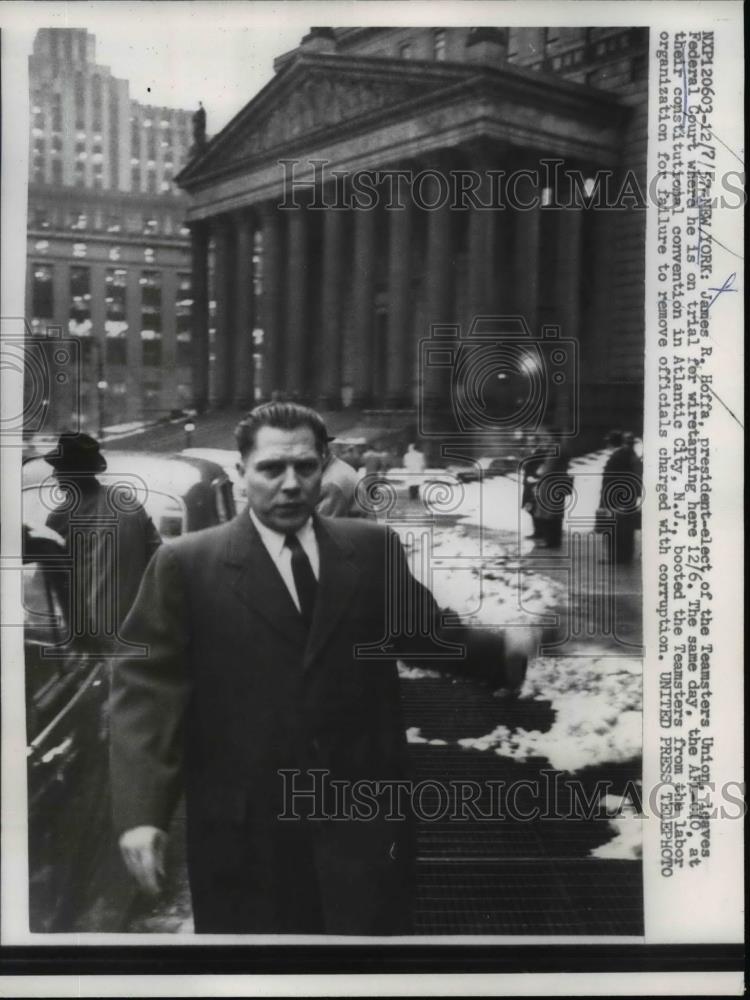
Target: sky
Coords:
[(180, 53)]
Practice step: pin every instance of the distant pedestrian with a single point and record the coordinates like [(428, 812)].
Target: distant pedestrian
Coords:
[(372, 460), (115, 540), (414, 463), (531, 467), (338, 488), (551, 487), (622, 483)]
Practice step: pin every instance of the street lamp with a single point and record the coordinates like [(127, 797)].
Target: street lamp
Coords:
[(101, 387), (189, 428)]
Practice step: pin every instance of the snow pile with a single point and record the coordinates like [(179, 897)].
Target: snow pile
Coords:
[(627, 843), (414, 735), (407, 673), (484, 590), (597, 704)]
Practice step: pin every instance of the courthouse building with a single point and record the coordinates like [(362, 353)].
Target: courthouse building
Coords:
[(344, 286), (107, 248)]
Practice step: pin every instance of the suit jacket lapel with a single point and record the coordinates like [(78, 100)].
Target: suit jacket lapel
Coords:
[(339, 578), (257, 582)]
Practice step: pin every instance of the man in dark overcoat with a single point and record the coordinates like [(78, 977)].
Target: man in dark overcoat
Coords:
[(272, 645)]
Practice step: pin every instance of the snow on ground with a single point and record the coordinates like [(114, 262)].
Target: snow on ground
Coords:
[(597, 705), (627, 842), (495, 503), (479, 585), (414, 735)]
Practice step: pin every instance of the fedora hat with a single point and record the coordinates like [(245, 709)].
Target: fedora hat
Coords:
[(76, 453)]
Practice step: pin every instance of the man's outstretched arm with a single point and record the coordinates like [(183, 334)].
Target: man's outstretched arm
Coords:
[(147, 708), (494, 655)]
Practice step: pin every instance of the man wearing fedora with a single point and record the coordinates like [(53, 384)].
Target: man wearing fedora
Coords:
[(115, 540)]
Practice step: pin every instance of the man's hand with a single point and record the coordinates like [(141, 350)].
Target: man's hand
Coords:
[(143, 850)]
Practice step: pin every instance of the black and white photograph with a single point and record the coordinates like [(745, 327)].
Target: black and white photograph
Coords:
[(339, 430)]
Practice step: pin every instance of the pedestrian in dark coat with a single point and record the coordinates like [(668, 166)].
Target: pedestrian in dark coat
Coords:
[(115, 540), (622, 483), (265, 670)]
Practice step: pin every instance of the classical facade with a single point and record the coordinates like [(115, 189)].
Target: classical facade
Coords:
[(108, 261), (395, 181)]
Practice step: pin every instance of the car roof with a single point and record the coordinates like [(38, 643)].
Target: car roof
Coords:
[(160, 471)]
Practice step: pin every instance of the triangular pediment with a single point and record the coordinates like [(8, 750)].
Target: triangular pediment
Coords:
[(316, 95)]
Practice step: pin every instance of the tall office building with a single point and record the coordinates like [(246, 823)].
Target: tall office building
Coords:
[(108, 260)]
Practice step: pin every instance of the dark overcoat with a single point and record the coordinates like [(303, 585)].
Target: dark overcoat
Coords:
[(234, 695)]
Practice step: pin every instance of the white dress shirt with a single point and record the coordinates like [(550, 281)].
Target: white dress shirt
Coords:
[(274, 542)]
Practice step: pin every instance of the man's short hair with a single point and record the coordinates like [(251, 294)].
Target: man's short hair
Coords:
[(284, 416)]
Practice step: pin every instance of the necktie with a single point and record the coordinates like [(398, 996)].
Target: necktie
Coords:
[(304, 578)]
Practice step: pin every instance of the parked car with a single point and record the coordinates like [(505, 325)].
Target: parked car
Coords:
[(76, 879), (181, 493), (227, 459)]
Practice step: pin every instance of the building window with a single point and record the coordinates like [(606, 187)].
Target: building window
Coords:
[(42, 298), (39, 218), (151, 338), (149, 255), (151, 181), (135, 178), (57, 172), (438, 39), (79, 249), (115, 313), (184, 318), (404, 50), (80, 302)]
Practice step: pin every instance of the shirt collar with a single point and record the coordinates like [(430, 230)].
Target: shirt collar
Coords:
[(274, 540)]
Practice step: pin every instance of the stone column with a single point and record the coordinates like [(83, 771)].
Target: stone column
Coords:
[(568, 300), (483, 278), (400, 349), (298, 323), (363, 304), (272, 301), (243, 312), (599, 276), (169, 334), (334, 269), (439, 295), (527, 223), (225, 319), (134, 375), (199, 254)]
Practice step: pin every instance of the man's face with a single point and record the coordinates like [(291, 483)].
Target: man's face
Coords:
[(282, 476)]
